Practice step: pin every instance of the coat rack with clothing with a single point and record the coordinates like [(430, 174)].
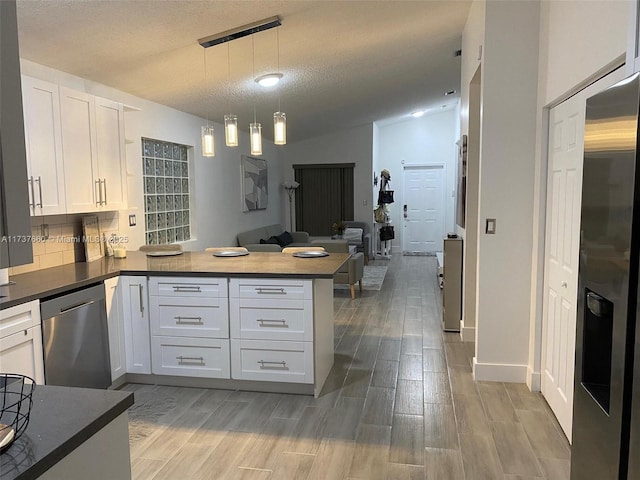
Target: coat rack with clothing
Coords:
[(384, 233)]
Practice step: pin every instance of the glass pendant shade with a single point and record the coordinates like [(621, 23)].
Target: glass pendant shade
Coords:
[(208, 145), (231, 130), (279, 128), (255, 131)]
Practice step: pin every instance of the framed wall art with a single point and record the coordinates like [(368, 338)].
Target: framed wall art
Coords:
[(255, 192)]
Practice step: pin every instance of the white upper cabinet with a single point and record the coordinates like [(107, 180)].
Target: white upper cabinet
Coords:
[(79, 150), (111, 175), (45, 169), (75, 150)]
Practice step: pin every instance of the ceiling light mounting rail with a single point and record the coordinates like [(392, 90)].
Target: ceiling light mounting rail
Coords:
[(239, 32)]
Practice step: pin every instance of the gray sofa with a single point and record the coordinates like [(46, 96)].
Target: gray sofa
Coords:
[(251, 239)]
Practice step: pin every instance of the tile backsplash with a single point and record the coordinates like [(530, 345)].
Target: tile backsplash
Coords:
[(63, 243)]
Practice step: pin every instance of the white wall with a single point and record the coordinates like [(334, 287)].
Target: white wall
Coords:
[(354, 145), (578, 38), (507, 143), (419, 141), (472, 43), (579, 42), (375, 164), (216, 199)]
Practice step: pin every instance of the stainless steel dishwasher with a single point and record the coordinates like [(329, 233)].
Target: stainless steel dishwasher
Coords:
[(75, 339)]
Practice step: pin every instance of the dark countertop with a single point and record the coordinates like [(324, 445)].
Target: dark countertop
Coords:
[(62, 418), (54, 281)]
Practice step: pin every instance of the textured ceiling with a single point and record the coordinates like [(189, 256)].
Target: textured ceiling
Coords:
[(345, 63)]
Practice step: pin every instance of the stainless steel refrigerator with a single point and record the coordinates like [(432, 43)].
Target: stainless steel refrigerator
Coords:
[(606, 406)]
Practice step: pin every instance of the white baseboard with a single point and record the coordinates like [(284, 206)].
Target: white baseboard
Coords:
[(534, 380), (467, 334), (498, 372)]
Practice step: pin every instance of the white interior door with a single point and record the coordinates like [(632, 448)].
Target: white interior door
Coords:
[(562, 241), (423, 209)]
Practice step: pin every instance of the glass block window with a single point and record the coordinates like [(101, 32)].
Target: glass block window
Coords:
[(166, 192)]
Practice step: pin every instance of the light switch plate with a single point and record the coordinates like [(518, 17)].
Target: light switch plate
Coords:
[(490, 226), (132, 220)]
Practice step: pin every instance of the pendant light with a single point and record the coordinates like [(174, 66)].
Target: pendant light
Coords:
[(255, 129), (279, 118), (230, 120), (279, 128), (208, 142)]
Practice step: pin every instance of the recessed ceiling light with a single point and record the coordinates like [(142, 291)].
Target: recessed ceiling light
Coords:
[(450, 92), (269, 80), (417, 113)]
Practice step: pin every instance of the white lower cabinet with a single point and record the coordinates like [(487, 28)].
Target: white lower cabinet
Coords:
[(271, 319), (21, 341), (135, 303), (245, 329), (190, 326), (115, 325), (191, 357), (272, 361), (188, 317), (271, 330)]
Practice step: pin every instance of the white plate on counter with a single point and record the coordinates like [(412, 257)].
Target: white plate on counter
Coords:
[(230, 253), (310, 254), (164, 253)]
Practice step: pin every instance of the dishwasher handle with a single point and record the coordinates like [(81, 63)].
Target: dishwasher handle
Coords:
[(77, 306)]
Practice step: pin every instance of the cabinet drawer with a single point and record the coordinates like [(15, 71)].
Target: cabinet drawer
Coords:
[(188, 287), (19, 318), (270, 288), (272, 361), (189, 317), (271, 319), (190, 357)]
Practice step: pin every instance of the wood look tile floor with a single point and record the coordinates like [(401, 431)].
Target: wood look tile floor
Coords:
[(400, 403)]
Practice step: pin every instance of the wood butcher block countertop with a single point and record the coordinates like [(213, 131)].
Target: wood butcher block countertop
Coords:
[(57, 280)]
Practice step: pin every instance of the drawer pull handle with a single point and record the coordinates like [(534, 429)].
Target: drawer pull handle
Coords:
[(265, 364), (189, 321), (270, 291), (190, 360), (186, 288), (279, 323)]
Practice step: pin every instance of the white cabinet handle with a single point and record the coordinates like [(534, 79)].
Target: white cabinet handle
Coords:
[(188, 320), (280, 323), (265, 364), (104, 184), (190, 360), (270, 291)]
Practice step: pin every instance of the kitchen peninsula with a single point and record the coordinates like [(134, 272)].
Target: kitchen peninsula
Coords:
[(263, 321)]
